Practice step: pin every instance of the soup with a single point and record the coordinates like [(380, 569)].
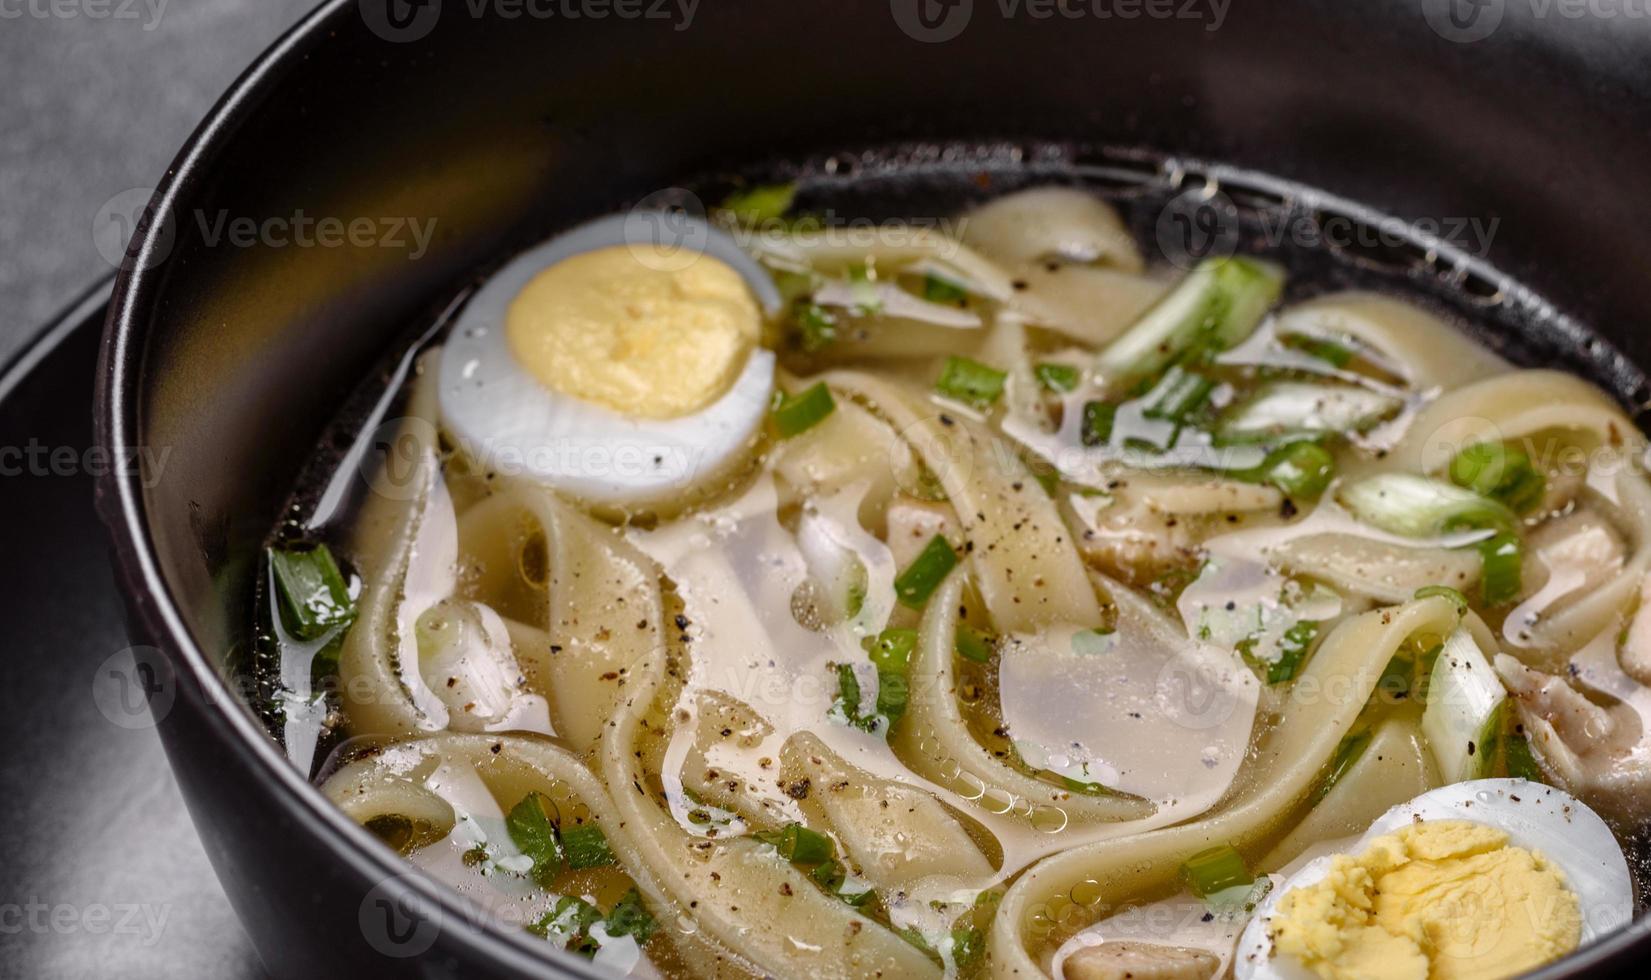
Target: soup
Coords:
[(976, 599)]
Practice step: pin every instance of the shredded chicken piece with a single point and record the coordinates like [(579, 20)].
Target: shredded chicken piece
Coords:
[(1124, 960), (1599, 752)]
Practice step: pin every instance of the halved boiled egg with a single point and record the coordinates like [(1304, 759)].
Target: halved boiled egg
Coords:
[(1477, 880), (618, 363)]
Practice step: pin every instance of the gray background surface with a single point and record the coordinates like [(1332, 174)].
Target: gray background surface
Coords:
[(101, 873)]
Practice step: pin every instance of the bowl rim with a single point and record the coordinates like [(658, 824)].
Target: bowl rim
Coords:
[(149, 599), (152, 604)]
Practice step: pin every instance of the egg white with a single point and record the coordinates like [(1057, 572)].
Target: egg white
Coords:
[(510, 423), (1534, 816)]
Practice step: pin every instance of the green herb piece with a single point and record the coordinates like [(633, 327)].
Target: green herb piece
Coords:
[(1098, 417), (1301, 469), (1347, 752), (1335, 354), (1499, 581), (630, 917), (931, 566), (968, 944), (587, 847), (829, 875), (796, 414), (532, 824), (1519, 760), (848, 700), (1218, 304), (1417, 507), (1214, 870), (891, 651), (799, 845), (766, 202), (1298, 639), (816, 325), (1493, 470), (1057, 377), (314, 597), (893, 691), (1178, 395), (970, 382), (570, 921), (972, 644), (939, 290)]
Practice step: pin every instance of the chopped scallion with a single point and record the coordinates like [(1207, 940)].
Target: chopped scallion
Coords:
[(799, 845), (1057, 377), (816, 326), (972, 644), (767, 202), (1098, 417), (931, 566), (892, 650), (1347, 752), (1429, 591), (1416, 506), (1301, 469), (630, 917), (1179, 394), (1499, 582), (1215, 869), (1493, 470), (1218, 303), (796, 414), (939, 290), (970, 382), (314, 597)]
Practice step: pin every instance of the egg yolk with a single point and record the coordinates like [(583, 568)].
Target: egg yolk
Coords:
[(1446, 900), (640, 329)]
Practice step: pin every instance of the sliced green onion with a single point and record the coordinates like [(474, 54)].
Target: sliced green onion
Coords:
[(1214, 870), (848, 698), (1519, 760), (893, 689), (1499, 582), (799, 845), (1301, 469), (968, 944), (931, 566), (313, 595), (570, 920), (972, 644), (816, 325), (1429, 591), (970, 382), (939, 290), (1417, 507), (1098, 417), (1220, 303), (1464, 698), (892, 650), (767, 202), (587, 847), (1057, 377), (1297, 408), (1337, 355), (1179, 394), (1347, 752), (1493, 470), (534, 831), (796, 414)]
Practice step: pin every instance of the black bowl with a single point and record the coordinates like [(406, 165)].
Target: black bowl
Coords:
[(235, 335)]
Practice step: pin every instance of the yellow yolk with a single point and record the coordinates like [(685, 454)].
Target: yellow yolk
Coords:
[(636, 329), (1446, 900)]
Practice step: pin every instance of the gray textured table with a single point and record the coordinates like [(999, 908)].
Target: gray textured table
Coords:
[(101, 873)]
